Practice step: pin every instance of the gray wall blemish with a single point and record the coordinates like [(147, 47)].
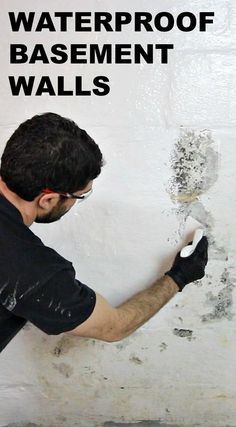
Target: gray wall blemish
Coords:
[(225, 278), (209, 278), (136, 360), (61, 418), (64, 369), (141, 424), (222, 303), (197, 211), (163, 346), (24, 425), (183, 333), (27, 326), (64, 345), (123, 344)]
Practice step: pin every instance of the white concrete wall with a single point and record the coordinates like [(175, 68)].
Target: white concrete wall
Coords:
[(180, 368)]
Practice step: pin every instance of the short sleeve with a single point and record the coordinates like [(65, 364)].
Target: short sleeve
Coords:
[(59, 305)]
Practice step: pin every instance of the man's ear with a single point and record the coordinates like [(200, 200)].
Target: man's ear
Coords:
[(48, 201)]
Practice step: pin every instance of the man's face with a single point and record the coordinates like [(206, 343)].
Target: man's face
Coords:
[(62, 207)]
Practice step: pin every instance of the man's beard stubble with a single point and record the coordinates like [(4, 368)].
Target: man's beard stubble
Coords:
[(56, 213)]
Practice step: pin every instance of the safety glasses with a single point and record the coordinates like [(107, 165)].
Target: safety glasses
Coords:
[(69, 195)]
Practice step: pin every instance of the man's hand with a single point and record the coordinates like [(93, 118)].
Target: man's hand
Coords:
[(113, 324), (191, 268)]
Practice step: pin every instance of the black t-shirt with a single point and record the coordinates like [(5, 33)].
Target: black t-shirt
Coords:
[(36, 283)]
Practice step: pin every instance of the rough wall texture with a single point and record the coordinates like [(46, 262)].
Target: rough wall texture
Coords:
[(167, 133)]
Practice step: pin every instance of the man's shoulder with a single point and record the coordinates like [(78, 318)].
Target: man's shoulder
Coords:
[(25, 260)]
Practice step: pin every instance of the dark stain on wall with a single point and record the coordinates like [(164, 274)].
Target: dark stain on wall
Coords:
[(222, 303), (183, 333), (64, 345), (163, 346), (64, 369), (135, 359)]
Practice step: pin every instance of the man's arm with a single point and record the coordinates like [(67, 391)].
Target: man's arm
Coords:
[(113, 324)]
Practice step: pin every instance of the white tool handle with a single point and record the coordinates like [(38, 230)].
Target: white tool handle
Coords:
[(189, 249)]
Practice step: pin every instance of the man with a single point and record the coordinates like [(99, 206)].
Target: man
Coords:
[(48, 164)]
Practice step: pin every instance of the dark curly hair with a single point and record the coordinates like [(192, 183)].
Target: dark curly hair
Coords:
[(49, 151)]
